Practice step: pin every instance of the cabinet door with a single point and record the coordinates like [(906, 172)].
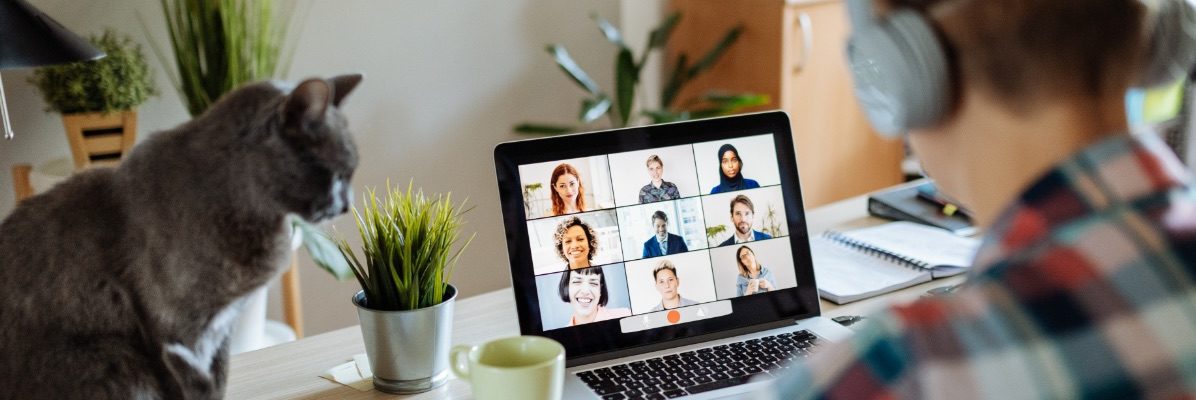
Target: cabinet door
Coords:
[(838, 154), (794, 52)]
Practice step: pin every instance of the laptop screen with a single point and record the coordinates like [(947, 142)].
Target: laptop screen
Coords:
[(631, 239)]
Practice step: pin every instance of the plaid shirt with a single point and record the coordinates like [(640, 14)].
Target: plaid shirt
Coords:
[(1086, 288)]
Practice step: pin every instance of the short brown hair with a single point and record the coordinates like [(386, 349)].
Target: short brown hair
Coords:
[(1027, 50), (745, 200)]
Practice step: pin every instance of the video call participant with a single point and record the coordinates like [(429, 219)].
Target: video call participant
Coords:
[(1084, 285), (568, 193), (729, 172), (658, 189), (743, 216), (667, 284), (663, 243), (585, 290), (753, 278), (576, 242)]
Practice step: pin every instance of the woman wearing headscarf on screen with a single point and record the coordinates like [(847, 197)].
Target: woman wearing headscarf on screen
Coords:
[(730, 172)]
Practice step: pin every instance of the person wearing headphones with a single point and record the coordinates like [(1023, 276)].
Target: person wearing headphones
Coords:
[(1085, 285)]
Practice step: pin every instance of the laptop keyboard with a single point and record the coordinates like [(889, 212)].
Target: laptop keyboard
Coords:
[(702, 370)]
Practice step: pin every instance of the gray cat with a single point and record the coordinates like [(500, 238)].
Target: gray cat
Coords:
[(123, 283)]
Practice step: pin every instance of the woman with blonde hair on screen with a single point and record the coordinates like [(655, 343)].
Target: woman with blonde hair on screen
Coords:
[(566, 190), (668, 284)]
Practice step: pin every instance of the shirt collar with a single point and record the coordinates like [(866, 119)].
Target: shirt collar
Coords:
[(1115, 171)]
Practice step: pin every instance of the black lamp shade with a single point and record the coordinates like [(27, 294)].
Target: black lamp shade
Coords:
[(30, 38)]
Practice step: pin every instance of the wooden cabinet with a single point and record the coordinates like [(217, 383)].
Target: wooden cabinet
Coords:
[(794, 52)]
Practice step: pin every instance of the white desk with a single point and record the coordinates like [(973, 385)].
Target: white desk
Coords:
[(291, 370)]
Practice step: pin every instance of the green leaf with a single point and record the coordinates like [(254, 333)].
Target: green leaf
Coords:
[(660, 36), (626, 78), (545, 129), (665, 116), (735, 101), (563, 60), (677, 78), (715, 53), (609, 31), (592, 109), (322, 250)]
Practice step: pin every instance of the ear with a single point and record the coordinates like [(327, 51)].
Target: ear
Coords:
[(307, 103), (342, 85)]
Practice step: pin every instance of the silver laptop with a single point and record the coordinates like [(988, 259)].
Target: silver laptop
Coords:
[(670, 260)]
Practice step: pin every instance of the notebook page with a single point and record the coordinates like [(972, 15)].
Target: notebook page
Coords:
[(845, 275), (935, 246)]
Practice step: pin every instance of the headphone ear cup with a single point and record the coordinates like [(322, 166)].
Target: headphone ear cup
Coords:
[(900, 72), (1171, 52)]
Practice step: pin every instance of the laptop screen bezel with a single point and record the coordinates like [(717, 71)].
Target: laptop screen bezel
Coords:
[(592, 341)]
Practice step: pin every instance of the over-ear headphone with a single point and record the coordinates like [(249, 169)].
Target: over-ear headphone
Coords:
[(902, 76)]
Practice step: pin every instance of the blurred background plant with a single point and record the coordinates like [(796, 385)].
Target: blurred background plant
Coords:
[(620, 108), (121, 81), (219, 45)]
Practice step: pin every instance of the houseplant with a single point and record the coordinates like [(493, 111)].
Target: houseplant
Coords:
[(219, 45), (620, 109), (98, 98), (406, 301)]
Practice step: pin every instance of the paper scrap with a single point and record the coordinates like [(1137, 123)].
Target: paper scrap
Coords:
[(351, 374)]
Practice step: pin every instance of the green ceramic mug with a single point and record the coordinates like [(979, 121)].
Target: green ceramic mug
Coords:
[(515, 368)]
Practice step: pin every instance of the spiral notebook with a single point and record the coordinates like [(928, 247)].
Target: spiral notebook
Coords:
[(866, 262)]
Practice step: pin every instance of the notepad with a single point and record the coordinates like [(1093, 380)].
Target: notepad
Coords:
[(866, 262)]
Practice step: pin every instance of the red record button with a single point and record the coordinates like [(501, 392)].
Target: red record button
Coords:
[(674, 316)]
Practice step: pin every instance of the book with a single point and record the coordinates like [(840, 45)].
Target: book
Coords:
[(922, 204), (866, 262)]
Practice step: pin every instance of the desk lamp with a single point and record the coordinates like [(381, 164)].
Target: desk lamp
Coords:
[(30, 38)]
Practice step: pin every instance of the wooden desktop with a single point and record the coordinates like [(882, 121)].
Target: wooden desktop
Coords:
[(292, 370)]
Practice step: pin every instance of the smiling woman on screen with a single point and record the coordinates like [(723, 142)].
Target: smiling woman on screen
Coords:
[(567, 192), (585, 290), (576, 243)]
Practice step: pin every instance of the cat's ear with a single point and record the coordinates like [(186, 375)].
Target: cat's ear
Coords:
[(308, 103), (342, 85)]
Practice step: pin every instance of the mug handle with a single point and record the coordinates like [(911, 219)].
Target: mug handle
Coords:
[(460, 367)]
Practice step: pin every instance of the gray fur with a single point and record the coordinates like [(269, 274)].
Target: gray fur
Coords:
[(122, 283)]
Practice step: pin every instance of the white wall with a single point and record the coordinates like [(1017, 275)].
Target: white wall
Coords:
[(444, 83)]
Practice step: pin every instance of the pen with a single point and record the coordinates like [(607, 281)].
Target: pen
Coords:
[(947, 209)]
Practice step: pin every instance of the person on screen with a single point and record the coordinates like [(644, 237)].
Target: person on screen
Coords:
[(663, 243), (576, 242), (585, 290), (730, 172), (753, 278), (743, 216), (658, 189), (1084, 284), (568, 193), (667, 284)]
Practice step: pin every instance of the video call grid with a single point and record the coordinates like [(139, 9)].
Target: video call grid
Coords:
[(619, 228)]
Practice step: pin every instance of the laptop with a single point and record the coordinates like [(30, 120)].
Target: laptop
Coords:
[(670, 260)]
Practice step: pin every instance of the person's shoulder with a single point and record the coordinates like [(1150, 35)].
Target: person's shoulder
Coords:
[(762, 235), (750, 183), (729, 241), (717, 189), (618, 312)]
